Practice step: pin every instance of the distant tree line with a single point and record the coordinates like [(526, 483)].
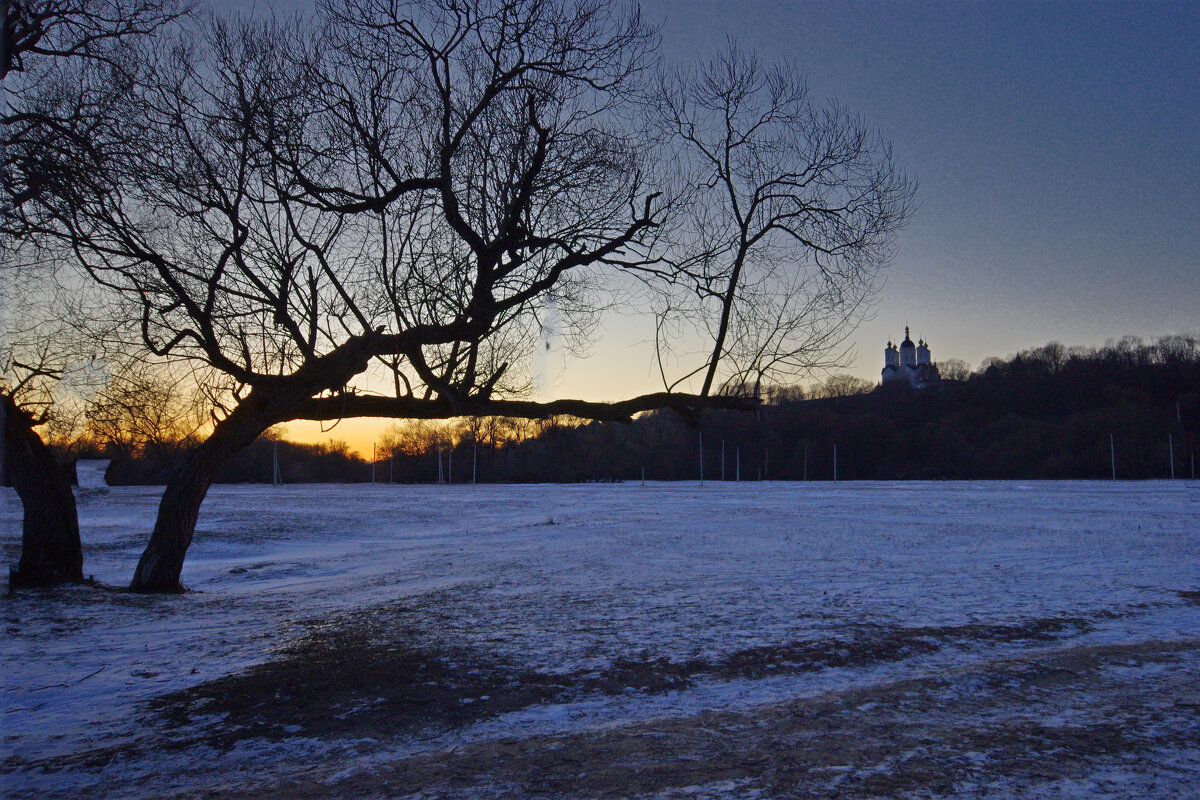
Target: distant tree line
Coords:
[(1045, 413), (326, 462)]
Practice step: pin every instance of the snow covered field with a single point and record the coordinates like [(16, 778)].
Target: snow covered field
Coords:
[(673, 640)]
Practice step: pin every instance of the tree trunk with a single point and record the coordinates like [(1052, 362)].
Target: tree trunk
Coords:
[(51, 552), (161, 563)]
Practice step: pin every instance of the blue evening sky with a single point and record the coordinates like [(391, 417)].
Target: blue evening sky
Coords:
[(1057, 146)]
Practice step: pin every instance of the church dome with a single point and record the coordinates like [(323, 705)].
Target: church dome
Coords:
[(910, 362)]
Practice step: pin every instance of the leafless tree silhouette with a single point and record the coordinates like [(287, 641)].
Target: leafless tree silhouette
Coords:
[(63, 63), (397, 190), (51, 551), (793, 209)]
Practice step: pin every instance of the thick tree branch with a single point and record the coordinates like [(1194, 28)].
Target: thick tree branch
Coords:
[(346, 407)]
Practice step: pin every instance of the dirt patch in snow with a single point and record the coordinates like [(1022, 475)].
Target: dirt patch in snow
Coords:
[(377, 675), (1122, 720)]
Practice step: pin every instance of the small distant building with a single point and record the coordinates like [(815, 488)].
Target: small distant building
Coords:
[(910, 363)]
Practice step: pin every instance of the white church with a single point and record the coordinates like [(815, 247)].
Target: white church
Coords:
[(909, 362)]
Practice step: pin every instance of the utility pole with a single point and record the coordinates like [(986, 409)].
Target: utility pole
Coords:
[(3, 427), (3, 414), (1178, 419)]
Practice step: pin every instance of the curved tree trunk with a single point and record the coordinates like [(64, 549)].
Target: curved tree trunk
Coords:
[(161, 563), (51, 552)]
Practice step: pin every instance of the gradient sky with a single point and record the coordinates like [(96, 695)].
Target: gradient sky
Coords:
[(1057, 146)]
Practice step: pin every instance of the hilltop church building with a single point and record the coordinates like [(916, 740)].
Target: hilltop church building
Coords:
[(910, 363)]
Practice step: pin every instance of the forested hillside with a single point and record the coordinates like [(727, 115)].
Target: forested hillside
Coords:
[(1050, 412)]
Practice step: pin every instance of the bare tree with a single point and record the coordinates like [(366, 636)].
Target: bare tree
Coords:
[(794, 207), (841, 385), (954, 369), (778, 395), (147, 408), (413, 437), (51, 551), (62, 63), (398, 195), (52, 365), (49, 372)]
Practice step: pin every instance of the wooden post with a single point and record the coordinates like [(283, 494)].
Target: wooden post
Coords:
[(701, 434), (450, 466), (722, 459), (1112, 454), (474, 461), (739, 463), (1171, 450), (439, 466), (392, 467), (276, 478), (372, 462), (643, 476), (835, 463), (806, 461)]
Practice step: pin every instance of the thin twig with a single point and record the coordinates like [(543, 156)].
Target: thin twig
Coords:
[(69, 683)]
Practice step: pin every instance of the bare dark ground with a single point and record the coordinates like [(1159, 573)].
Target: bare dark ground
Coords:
[(1104, 715), (1121, 721), (375, 676)]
